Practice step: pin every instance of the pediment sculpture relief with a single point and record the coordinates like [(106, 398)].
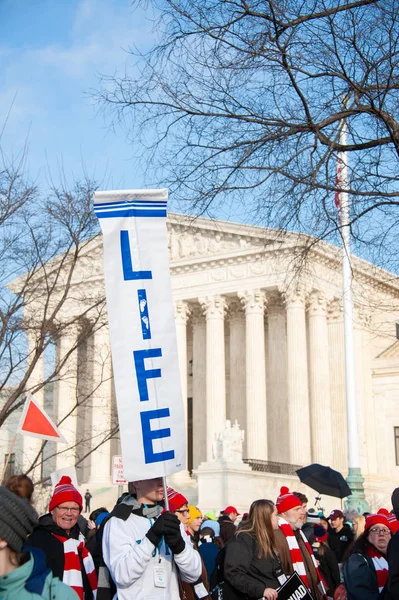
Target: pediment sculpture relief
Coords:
[(184, 242)]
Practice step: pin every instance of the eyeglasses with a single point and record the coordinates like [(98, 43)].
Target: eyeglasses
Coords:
[(65, 509), (380, 530), (185, 511)]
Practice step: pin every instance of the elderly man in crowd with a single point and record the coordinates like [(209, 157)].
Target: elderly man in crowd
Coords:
[(59, 536), (294, 549), (145, 548)]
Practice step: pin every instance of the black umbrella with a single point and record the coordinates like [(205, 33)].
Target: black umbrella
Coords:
[(324, 480)]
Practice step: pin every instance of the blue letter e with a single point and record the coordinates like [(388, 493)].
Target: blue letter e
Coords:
[(148, 435)]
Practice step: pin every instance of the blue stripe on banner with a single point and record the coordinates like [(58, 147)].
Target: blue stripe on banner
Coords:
[(128, 204), (144, 315), (131, 212), (138, 203)]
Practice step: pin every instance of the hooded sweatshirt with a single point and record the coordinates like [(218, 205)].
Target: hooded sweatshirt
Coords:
[(34, 581)]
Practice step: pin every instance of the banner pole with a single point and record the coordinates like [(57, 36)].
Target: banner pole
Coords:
[(165, 493), (8, 457)]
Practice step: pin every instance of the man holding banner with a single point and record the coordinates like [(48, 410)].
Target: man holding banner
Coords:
[(142, 545), (145, 548)]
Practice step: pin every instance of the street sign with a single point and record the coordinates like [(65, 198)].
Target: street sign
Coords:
[(117, 471)]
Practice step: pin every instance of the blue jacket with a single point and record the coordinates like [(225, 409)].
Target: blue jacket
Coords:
[(33, 581)]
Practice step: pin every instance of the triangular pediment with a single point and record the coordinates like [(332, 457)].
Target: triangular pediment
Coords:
[(391, 352)]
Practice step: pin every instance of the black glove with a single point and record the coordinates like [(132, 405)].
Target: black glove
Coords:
[(166, 524), (175, 541)]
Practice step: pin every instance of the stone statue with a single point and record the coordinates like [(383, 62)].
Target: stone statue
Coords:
[(227, 446)]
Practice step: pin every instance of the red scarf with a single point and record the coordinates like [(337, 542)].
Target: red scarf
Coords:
[(381, 566), (74, 550), (296, 555)]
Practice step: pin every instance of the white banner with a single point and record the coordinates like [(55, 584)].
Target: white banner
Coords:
[(142, 330)]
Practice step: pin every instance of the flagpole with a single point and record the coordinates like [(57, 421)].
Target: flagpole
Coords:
[(8, 457), (355, 480), (165, 493)]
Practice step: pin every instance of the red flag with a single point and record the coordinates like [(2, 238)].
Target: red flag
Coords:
[(35, 422)]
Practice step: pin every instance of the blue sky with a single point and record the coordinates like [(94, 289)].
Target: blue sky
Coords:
[(52, 53)]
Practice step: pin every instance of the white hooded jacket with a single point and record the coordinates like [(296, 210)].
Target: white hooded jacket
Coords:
[(135, 565)]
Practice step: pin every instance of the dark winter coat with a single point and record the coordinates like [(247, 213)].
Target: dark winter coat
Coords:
[(392, 586), (43, 537), (245, 571), (328, 567), (340, 542), (360, 578)]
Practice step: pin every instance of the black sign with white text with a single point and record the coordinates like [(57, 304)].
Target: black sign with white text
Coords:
[(294, 589)]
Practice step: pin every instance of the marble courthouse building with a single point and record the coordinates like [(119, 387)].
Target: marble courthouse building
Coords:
[(261, 343)]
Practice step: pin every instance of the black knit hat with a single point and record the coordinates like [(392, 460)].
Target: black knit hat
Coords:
[(17, 519)]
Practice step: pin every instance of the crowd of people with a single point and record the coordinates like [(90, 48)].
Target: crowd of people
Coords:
[(147, 548)]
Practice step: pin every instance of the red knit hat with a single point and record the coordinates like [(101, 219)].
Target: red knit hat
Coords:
[(64, 491), (176, 500), (372, 520), (286, 500)]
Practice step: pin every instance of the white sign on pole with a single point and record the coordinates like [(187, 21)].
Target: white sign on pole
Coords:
[(118, 477), (143, 332)]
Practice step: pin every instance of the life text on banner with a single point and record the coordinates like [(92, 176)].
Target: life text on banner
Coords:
[(142, 332)]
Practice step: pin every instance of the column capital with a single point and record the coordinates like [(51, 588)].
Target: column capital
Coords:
[(214, 307), (362, 316), (253, 301), (335, 309), (294, 296), (317, 303), (182, 312)]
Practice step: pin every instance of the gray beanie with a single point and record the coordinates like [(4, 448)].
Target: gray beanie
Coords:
[(17, 519)]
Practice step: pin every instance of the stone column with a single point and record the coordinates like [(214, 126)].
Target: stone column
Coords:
[(67, 396), (182, 313), (237, 403), (214, 309), (30, 446), (254, 303), (277, 404), (297, 379), (337, 384), (319, 375), (199, 386), (100, 472)]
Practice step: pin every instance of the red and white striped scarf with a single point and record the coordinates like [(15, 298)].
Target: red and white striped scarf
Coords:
[(73, 549), (296, 555), (381, 567)]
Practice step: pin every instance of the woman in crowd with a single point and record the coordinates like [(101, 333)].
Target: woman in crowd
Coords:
[(327, 561), (251, 564), (358, 524), (23, 571), (58, 535), (21, 485), (194, 523), (366, 569)]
